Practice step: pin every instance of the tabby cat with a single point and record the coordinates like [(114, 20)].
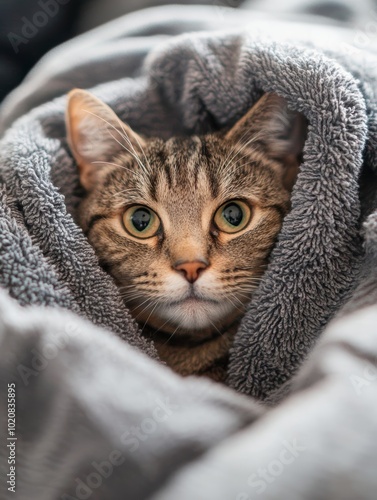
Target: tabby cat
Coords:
[(185, 226)]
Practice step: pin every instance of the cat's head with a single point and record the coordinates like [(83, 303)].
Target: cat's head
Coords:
[(185, 226)]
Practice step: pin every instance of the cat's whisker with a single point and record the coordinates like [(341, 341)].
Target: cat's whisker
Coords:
[(171, 336), (244, 290), (130, 285), (128, 288), (129, 302), (135, 156), (244, 145), (132, 296), (215, 327), (225, 162), (247, 288), (141, 293), (229, 299), (145, 309), (138, 143), (129, 142), (232, 172), (221, 168), (123, 192), (124, 287), (239, 167), (150, 314), (111, 164), (246, 298), (234, 296), (158, 329), (227, 172), (136, 286), (146, 301), (253, 280), (241, 147)]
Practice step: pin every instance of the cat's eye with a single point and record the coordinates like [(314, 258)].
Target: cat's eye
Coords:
[(233, 216), (141, 221)]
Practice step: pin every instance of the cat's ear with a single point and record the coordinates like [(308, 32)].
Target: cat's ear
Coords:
[(95, 135), (277, 131)]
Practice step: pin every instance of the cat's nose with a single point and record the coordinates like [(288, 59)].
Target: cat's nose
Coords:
[(191, 269)]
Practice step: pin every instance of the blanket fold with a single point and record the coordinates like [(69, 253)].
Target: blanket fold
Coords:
[(309, 331)]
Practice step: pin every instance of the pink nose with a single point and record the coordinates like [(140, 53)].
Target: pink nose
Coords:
[(191, 270)]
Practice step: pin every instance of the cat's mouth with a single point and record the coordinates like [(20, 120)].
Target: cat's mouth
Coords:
[(192, 312), (192, 299)]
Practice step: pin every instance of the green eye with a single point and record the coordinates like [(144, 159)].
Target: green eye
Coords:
[(141, 221), (232, 217)]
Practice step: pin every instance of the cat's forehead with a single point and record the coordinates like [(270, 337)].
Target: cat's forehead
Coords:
[(189, 167), (178, 168), (187, 172)]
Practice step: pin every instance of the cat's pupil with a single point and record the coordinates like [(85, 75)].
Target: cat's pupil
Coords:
[(233, 214), (141, 219)]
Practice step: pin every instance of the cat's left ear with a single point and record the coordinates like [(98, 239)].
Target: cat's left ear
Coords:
[(96, 135), (276, 131)]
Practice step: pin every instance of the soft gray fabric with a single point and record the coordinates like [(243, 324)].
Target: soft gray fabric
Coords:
[(95, 14), (319, 444), (324, 265), (85, 398), (118, 49), (336, 11), (82, 395)]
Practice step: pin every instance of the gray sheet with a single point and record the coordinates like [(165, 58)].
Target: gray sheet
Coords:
[(324, 265)]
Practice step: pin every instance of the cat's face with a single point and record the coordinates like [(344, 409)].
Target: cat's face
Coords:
[(185, 227)]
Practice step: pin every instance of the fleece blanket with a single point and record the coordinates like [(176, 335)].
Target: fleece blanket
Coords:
[(97, 416)]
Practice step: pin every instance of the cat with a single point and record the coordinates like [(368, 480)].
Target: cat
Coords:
[(185, 226)]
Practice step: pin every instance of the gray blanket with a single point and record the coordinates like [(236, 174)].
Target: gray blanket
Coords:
[(98, 418)]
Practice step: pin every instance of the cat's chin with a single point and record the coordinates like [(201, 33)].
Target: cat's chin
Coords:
[(193, 317)]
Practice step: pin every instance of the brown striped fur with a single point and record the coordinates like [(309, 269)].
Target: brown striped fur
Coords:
[(185, 180)]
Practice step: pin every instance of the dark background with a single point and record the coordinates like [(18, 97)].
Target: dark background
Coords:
[(14, 65), (62, 21), (68, 18)]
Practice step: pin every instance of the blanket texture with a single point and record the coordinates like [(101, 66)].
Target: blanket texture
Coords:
[(95, 392)]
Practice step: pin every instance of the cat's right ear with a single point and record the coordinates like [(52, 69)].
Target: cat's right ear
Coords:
[(277, 131), (96, 135)]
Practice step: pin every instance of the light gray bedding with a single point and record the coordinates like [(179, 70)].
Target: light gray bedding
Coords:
[(305, 424)]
